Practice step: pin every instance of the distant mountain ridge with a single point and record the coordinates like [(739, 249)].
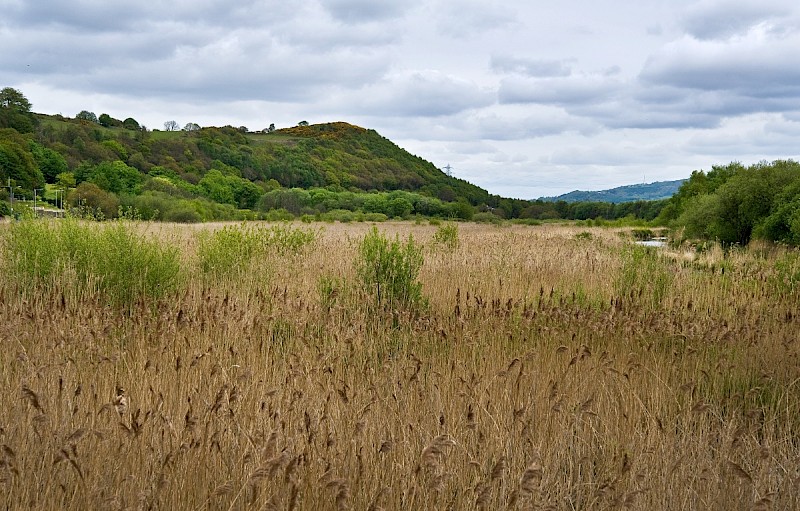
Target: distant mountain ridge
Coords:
[(629, 193)]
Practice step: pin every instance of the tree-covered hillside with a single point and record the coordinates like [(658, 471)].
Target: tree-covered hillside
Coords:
[(105, 165)]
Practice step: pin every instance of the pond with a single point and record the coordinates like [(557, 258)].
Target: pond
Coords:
[(653, 242)]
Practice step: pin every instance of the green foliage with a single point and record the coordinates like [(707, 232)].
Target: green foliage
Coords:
[(131, 124), (734, 204), (50, 162), (308, 169), (390, 270), (785, 278), (235, 250), (447, 236), (114, 260), (15, 111), (486, 217), (182, 212), (113, 176), (330, 289), (108, 121), (17, 162), (229, 189), (85, 115), (90, 200), (643, 276)]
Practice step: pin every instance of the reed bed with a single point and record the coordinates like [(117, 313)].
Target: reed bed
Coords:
[(550, 367)]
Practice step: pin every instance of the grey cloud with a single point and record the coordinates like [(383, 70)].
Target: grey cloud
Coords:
[(544, 121), (421, 94), (575, 89), (466, 18), (757, 66), (713, 19), (296, 59), (530, 67), (105, 16), (360, 11), (221, 71)]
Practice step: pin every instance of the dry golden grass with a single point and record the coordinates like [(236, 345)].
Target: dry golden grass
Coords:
[(533, 381)]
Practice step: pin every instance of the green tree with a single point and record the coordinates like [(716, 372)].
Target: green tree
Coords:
[(50, 162), (86, 115), (90, 196), (108, 121), (65, 180), (15, 111), (115, 177), (131, 124), (16, 161), (746, 199), (216, 187)]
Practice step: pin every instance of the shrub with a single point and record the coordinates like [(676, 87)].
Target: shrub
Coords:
[(121, 264), (487, 218), (182, 213), (390, 270), (375, 217), (447, 236), (233, 250)]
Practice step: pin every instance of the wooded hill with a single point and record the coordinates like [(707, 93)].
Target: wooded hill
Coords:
[(223, 173), (629, 193)]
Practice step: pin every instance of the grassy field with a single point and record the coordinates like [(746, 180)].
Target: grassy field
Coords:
[(224, 367)]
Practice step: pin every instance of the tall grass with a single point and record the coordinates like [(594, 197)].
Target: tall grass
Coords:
[(78, 258), (233, 249), (543, 374)]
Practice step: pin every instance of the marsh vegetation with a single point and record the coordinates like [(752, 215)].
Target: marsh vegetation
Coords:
[(152, 366)]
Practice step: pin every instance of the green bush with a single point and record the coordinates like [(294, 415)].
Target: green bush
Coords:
[(114, 260), (233, 250), (487, 218), (447, 236), (182, 213), (375, 217), (390, 269)]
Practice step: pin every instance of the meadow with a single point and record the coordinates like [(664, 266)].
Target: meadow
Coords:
[(403, 366)]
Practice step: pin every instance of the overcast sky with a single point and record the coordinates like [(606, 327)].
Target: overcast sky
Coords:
[(525, 98)]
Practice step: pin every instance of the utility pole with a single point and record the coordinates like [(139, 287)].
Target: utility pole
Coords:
[(448, 170), (35, 213), (11, 194)]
